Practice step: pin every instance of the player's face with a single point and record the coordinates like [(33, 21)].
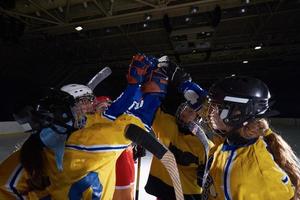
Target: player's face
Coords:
[(188, 115), (85, 105)]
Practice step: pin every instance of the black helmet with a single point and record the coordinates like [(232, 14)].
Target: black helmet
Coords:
[(240, 99), (54, 108)]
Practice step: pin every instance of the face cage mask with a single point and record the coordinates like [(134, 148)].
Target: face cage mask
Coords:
[(234, 115), (83, 105), (190, 124)]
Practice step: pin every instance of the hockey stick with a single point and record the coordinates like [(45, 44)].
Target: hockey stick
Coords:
[(138, 179), (100, 76), (200, 134), (149, 142)]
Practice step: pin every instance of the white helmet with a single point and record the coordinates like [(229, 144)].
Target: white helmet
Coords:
[(77, 90)]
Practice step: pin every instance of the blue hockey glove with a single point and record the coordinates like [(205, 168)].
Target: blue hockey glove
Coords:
[(156, 82), (193, 93), (139, 67)]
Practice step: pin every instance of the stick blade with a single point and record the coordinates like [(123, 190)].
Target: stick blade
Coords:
[(99, 77)]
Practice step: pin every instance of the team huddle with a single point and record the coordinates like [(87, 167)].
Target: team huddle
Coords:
[(215, 144)]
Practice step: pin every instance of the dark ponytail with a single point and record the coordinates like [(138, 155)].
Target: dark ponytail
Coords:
[(32, 159)]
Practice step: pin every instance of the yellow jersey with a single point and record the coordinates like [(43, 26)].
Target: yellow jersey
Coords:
[(13, 183), (90, 160), (88, 165), (246, 172), (190, 156)]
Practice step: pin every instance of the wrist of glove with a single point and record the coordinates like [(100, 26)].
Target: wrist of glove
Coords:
[(177, 75), (140, 66)]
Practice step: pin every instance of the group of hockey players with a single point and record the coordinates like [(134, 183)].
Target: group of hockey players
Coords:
[(216, 144)]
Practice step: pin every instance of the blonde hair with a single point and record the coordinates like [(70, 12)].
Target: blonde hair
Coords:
[(282, 152)]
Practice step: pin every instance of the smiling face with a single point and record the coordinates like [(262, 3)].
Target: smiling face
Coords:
[(85, 105)]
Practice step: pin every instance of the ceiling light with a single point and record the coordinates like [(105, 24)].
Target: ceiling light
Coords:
[(247, 1), (60, 9), (243, 10), (85, 5), (245, 61), (194, 10), (78, 28), (187, 19), (148, 17), (257, 47), (194, 51), (145, 25), (207, 34)]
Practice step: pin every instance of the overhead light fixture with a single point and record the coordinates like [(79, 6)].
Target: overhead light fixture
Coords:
[(245, 61), (85, 5), (60, 9), (145, 25), (247, 1), (243, 10), (187, 19), (257, 47), (208, 34), (78, 28), (194, 10), (194, 51), (148, 17)]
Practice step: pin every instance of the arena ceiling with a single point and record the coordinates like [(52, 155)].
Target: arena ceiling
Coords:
[(210, 38)]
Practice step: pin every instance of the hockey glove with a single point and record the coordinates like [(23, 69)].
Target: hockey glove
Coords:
[(177, 75), (156, 82), (193, 93), (139, 67)]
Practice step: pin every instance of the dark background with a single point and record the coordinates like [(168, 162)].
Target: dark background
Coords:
[(39, 46)]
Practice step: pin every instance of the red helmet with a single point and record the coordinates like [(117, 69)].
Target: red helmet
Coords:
[(102, 99), (102, 103)]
